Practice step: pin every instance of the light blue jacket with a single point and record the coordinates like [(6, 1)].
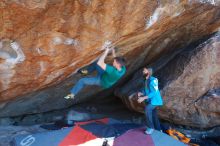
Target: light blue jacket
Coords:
[(152, 91)]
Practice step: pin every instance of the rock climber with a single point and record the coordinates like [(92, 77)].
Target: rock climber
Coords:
[(107, 75)]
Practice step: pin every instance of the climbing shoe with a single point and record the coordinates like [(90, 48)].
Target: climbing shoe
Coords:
[(83, 72), (69, 96), (149, 131)]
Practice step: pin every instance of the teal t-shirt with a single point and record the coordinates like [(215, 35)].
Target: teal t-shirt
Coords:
[(111, 76)]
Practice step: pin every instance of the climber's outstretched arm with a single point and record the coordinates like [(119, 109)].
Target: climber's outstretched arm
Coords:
[(101, 61), (113, 52)]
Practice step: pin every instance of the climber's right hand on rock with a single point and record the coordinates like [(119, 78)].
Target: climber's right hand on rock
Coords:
[(140, 94)]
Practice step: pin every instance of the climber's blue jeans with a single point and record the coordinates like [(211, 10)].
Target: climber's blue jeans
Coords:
[(89, 80), (151, 117)]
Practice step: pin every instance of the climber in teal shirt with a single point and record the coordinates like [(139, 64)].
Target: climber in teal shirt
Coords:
[(107, 75), (150, 94)]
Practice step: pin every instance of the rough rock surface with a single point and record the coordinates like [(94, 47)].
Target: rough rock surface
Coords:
[(190, 85), (42, 43), (193, 80)]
